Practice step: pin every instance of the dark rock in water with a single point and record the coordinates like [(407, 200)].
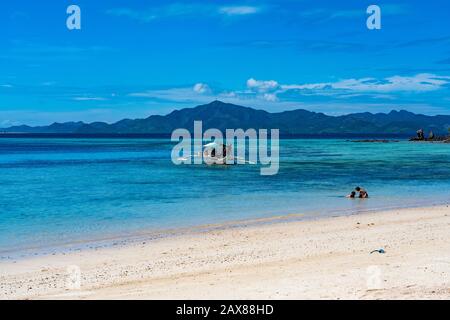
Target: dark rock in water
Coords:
[(434, 139)]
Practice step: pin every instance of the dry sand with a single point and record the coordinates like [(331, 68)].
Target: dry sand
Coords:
[(322, 259)]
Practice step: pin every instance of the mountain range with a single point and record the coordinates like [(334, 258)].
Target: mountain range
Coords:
[(223, 116)]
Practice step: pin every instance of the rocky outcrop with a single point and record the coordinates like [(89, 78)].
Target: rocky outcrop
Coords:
[(434, 139)]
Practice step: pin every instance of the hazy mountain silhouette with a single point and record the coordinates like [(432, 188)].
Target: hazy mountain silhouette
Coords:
[(223, 116)]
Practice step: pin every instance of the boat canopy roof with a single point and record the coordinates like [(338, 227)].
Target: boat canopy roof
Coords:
[(212, 145)]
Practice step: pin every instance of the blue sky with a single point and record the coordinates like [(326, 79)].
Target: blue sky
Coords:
[(135, 58)]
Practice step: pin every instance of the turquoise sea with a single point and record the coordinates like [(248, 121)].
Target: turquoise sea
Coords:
[(56, 191)]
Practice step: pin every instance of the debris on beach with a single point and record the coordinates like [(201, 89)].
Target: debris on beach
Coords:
[(378, 250)]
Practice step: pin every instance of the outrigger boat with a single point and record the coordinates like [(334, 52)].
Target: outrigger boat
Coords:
[(218, 154)]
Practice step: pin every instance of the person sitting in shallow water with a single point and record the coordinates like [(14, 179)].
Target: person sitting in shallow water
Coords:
[(351, 195), (362, 193)]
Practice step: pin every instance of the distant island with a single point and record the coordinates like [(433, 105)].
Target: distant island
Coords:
[(223, 116)]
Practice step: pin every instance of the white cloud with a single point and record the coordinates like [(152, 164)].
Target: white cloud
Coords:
[(270, 97), (423, 82), (361, 94), (188, 95), (419, 82), (6, 86), (201, 88), (238, 10), (262, 86)]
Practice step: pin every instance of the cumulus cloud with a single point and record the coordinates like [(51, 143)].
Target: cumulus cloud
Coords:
[(360, 93), (262, 86), (201, 88)]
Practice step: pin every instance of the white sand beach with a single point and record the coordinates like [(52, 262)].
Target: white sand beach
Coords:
[(322, 259)]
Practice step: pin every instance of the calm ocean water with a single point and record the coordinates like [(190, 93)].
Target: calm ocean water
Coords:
[(55, 191)]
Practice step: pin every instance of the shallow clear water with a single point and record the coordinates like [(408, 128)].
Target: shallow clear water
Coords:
[(62, 190)]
